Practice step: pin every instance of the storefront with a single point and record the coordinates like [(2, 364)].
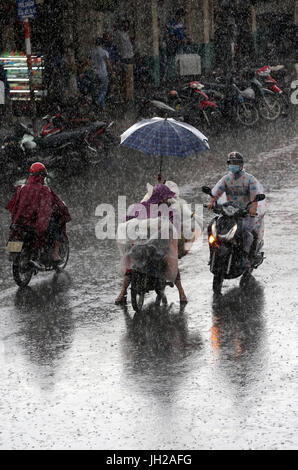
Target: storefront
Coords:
[(15, 65)]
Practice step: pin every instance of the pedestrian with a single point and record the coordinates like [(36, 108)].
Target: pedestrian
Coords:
[(110, 47), (100, 64), (175, 40), (126, 54)]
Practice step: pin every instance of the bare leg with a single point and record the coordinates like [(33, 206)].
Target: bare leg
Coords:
[(125, 285), (182, 295), (56, 256)]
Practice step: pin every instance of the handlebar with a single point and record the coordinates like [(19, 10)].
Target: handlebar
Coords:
[(217, 209)]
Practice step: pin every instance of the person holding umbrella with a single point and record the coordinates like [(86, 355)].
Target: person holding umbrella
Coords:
[(160, 195), (162, 138)]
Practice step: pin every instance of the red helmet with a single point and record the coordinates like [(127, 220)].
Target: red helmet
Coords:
[(38, 169)]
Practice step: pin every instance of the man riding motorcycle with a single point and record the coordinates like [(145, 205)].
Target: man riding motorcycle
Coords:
[(36, 205), (241, 187)]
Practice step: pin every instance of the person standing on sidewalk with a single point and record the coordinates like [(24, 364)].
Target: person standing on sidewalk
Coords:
[(126, 54), (100, 64)]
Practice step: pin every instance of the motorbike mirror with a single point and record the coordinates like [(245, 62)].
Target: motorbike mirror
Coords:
[(259, 197), (207, 190)]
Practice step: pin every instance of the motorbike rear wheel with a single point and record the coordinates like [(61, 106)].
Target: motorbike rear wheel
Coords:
[(21, 270), (64, 254), (246, 278), (269, 107), (138, 282)]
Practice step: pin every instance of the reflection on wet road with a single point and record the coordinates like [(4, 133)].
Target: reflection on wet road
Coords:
[(78, 371)]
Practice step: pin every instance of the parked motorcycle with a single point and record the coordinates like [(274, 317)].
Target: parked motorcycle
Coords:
[(264, 75), (225, 238), (267, 100), (63, 149), (195, 105), (189, 104), (29, 255), (60, 122), (234, 104)]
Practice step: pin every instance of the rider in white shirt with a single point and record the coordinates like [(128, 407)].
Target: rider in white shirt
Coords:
[(241, 187)]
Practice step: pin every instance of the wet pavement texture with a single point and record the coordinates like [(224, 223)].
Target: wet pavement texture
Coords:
[(78, 372)]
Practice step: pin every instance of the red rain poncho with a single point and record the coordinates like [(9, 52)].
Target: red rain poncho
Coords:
[(34, 203)]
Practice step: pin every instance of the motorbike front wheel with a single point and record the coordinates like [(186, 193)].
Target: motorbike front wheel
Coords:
[(247, 113), (22, 271), (217, 283)]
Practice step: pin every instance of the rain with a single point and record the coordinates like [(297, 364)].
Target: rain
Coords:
[(108, 108)]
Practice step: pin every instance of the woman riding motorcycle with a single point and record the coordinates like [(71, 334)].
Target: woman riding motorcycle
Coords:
[(36, 205), (160, 195)]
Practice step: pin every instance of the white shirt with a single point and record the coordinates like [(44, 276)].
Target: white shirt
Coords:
[(124, 45), (99, 57)]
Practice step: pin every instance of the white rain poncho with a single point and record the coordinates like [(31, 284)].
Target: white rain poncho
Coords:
[(191, 225), (243, 189), (155, 251)]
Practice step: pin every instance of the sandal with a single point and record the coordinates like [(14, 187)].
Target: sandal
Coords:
[(121, 299)]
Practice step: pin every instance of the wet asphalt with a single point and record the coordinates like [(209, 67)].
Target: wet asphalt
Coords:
[(79, 372)]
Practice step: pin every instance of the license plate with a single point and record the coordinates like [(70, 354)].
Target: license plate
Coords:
[(14, 247)]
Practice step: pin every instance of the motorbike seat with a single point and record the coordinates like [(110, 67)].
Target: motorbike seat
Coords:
[(56, 140)]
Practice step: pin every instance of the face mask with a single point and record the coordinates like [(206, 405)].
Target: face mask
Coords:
[(234, 168)]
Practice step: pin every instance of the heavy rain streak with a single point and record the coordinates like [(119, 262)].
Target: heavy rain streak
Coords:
[(148, 208)]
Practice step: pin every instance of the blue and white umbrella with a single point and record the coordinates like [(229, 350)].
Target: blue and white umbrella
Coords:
[(165, 137)]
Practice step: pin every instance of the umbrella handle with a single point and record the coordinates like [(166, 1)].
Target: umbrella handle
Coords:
[(159, 177)]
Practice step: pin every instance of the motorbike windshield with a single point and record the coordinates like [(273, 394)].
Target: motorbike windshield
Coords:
[(149, 246)]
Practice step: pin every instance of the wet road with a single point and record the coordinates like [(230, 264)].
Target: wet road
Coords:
[(78, 371)]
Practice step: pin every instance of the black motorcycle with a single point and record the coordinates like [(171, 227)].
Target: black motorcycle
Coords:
[(66, 150), (225, 238), (29, 255), (233, 103)]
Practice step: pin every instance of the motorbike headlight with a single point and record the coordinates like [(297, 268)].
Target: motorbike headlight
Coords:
[(211, 240), (230, 234)]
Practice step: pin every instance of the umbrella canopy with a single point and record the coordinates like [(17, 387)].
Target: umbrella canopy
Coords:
[(165, 137)]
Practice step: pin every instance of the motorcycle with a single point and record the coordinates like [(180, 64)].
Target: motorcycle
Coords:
[(267, 101), (63, 149), (233, 103), (195, 105), (59, 122), (225, 238), (264, 75), (148, 278), (190, 104), (30, 255)]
